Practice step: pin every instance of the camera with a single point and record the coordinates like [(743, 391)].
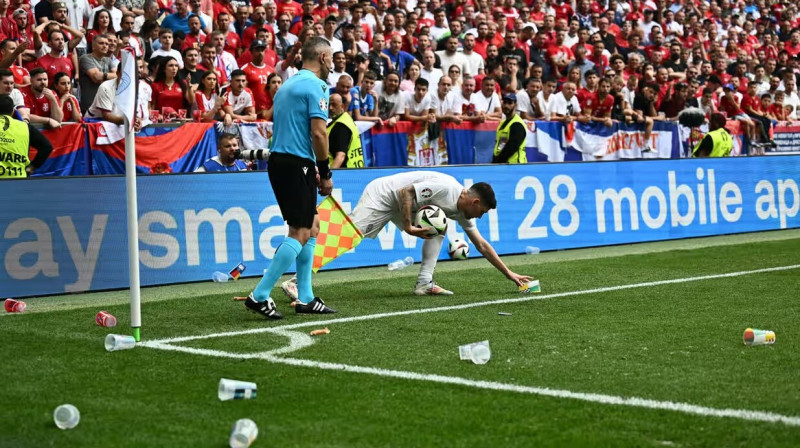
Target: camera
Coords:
[(251, 155)]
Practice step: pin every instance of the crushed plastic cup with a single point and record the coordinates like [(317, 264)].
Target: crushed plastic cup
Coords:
[(236, 390), (66, 416), (219, 277), (758, 337), (477, 352), (401, 264), (531, 250), (116, 342), (243, 434), (105, 319), (14, 306)]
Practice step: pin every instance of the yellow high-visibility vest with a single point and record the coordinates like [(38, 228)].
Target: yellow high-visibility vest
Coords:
[(722, 143), (14, 146), (355, 156), (503, 133)]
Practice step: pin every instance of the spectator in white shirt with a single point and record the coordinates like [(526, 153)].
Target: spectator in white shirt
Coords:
[(486, 102), (565, 105), (451, 56), (444, 100), (420, 106), (429, 72)]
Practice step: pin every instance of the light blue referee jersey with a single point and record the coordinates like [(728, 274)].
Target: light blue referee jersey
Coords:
[(301, 98)]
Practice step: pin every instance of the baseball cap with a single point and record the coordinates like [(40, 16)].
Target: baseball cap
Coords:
[(728, 86), (530, 25), (510, 97), (258, 43), (20, 12)]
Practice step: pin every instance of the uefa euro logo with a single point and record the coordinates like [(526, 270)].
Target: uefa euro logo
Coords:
[(124, 82)]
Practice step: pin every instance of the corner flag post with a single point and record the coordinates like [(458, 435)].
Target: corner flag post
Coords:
[(126, 100)]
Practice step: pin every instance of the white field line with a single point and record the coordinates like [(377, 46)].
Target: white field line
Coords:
[(525, 298), (298, 339)]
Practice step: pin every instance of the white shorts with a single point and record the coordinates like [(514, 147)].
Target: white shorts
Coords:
[(371, 218)]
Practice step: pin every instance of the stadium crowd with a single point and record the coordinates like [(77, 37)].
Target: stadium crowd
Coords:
[(429, 61)]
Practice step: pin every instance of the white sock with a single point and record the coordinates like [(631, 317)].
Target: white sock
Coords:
[(430, 253)]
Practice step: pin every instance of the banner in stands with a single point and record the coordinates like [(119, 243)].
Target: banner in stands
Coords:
[(69, 234), (70, 156), (183, 148), (787, 136)]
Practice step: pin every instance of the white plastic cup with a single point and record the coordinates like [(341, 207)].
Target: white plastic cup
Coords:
[(236, 390), (219, 277), (531, 250), (243, 434), (116, 342), (477, 352), (66, 416)]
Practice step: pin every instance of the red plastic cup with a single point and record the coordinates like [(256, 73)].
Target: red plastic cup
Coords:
[(197, 115), (105, 319), (14, 306)]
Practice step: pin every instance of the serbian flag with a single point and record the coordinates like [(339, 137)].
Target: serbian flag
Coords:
[(237, 271), (337, 233)]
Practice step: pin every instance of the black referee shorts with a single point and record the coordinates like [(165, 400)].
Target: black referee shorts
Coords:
[(294, 182)]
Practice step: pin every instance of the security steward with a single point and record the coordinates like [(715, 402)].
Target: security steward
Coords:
[(509, 144), (344, 142), (16, 138), (718, 142)]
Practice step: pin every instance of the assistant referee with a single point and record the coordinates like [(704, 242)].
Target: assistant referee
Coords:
[(299, 145)]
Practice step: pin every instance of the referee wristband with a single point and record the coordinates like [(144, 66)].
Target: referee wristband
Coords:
[(324, 169)]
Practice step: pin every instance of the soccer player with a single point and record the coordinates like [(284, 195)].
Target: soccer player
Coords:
[(299, 141), (397, 198)]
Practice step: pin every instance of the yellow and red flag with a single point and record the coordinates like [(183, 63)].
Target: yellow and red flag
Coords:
[(337, 233)]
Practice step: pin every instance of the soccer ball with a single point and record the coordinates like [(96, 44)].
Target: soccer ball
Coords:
[(458, 250), (431, 216)]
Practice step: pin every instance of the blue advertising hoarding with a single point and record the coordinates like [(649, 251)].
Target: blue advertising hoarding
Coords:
[(69, 234)]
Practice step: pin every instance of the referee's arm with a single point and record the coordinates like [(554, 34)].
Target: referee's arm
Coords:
[(319, 140)]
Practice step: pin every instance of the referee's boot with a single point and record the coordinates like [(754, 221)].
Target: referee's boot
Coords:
[(265, 308), (316, 306)]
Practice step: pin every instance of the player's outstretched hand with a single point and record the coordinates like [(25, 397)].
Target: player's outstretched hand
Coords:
[(519, 279), (325, 187), (421, 232)]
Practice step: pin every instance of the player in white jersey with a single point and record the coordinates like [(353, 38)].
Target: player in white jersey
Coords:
[(397, 198)]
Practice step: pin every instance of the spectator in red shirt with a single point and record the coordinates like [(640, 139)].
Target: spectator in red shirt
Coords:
[(41, 101), (599, 106), (259, 18), (290, 7), (70, 108), (195, 38), (100, 25), (9, 53), (168, 91), (55, 61), (751, 104), (792, 46), (730, 105), (256, 73), (232, 40), (207, 99), (274, 82), (776, 108)]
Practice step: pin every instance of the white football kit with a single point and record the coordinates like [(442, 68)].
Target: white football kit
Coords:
[(380, 202)]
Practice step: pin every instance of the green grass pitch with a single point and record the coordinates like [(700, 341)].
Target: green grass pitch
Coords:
[(585, 363)]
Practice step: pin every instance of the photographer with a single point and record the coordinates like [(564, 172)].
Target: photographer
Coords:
[(225, 160)]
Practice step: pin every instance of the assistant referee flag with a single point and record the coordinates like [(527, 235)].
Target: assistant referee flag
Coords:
[(337, 233)]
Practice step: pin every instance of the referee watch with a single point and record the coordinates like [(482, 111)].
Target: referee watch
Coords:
[(324, 169)]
